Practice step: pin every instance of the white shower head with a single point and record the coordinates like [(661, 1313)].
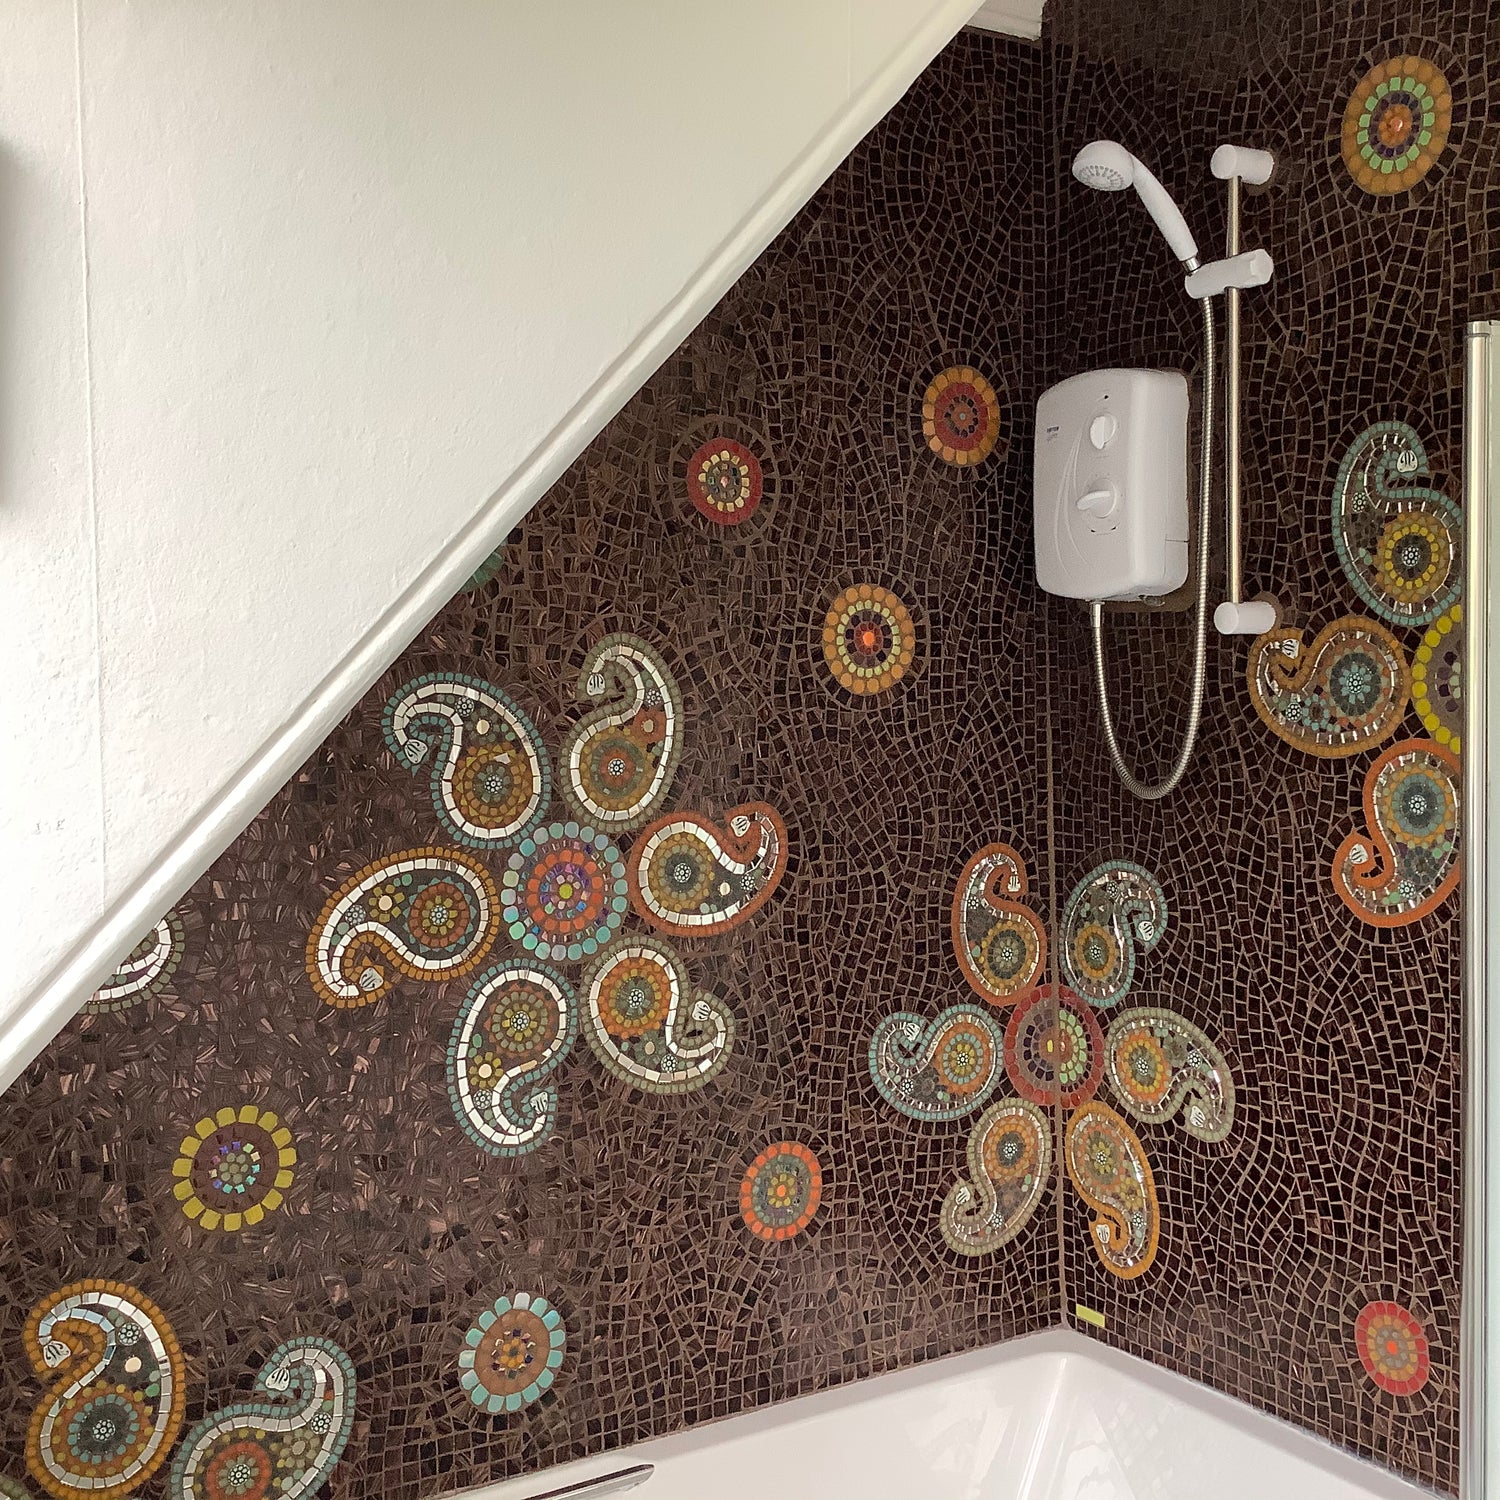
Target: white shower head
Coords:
[(1108, 167)]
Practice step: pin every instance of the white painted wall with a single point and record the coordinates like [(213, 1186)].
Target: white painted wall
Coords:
[(302, 303)]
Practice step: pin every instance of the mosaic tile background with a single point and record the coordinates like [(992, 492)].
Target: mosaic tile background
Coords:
[(1339, 1183), (396, 1232)]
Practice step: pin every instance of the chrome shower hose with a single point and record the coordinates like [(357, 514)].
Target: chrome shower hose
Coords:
[(1152, 791)]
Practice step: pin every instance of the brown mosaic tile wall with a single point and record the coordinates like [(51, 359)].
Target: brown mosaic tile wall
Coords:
[(1339, 1183), (250, 1164)]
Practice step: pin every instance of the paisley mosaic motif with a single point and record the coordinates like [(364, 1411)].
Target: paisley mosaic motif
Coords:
[(1393, 1348), (1400, 544), (940, 1069), (724, 481), (961, 416), (1010, 1158), (999, 942), (645, 1023), (563, 892), (1054, 1049), (781, 1191), (425, 914), (146, 970), (1437, 679), (514, 1031), (1157, 1064), (1396, 124), (491, 780), (234, 1167), (284, 1441), (1116, 909), (114, 1399), (1108, 1166), (1407, 864), (690, 877), (512, 1352), (869, 639), (1346, 693), (619, 760)]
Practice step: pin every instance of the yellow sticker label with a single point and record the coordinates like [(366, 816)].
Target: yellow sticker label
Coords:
[(1088, 1315)]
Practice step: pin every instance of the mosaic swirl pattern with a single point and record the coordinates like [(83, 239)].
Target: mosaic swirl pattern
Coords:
[(1010, 1161), (114, 1399), (999, 942), (491, 779), (512, 1352), (781, 1191), (1346, 693), (1054, 1049), (939, 1069), (425, 914), (284, 1441), (514, 1030), (1407, 864), (869, 639), (618, 761), (1108, 1167), (1400, 544), (234, 1167), (1396, 124), (1393, 1348), (146, 970), (646, 1025), (690, 877), (1437, 679), (961, 416), (1116, 910), (1157, 1063), (563, 892)]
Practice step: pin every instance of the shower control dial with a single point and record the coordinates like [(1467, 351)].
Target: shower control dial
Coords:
[(1102, 430)]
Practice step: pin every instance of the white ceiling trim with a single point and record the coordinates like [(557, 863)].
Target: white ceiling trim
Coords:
[(1013, 17)]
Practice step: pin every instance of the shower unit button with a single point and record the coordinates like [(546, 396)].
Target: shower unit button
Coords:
[(1102, 430)]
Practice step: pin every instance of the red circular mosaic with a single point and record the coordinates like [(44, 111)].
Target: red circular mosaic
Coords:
[(1053, 1043), (781, 1191), (724, 481), (1392, 1348), (961, 416)]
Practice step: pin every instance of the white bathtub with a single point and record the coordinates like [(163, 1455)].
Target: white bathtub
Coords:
[(1051, 1417)]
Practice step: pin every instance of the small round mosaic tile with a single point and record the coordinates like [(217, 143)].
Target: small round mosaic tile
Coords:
[(781, 1191), (1396, 124), (1393, 1348), (512, 1352), (563, 892)]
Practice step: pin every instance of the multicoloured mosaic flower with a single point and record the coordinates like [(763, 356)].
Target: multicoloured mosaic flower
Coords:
[(869, 640), (512, 1352), (781, 1191), (961, 416), (234, 1167), (1054, 1048), (1396, 124), (1393, 1348), (724, 480), (564, 892)]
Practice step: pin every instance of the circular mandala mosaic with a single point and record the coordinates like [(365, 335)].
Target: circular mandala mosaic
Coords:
[(869, 640), (563, 892), (512, 1352), (724, 480), (1393, 1348), (1437, 679), (1053, 1043), (1415, 804), (961, 416), (781, 1191), (233, 1168), (1396, 124)]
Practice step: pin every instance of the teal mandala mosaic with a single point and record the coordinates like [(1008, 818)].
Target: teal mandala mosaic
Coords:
[(1115, 913), (513, 1032), (938, 1069), (563, 891), (512, 1352), (491, 779), (285, 1441)]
